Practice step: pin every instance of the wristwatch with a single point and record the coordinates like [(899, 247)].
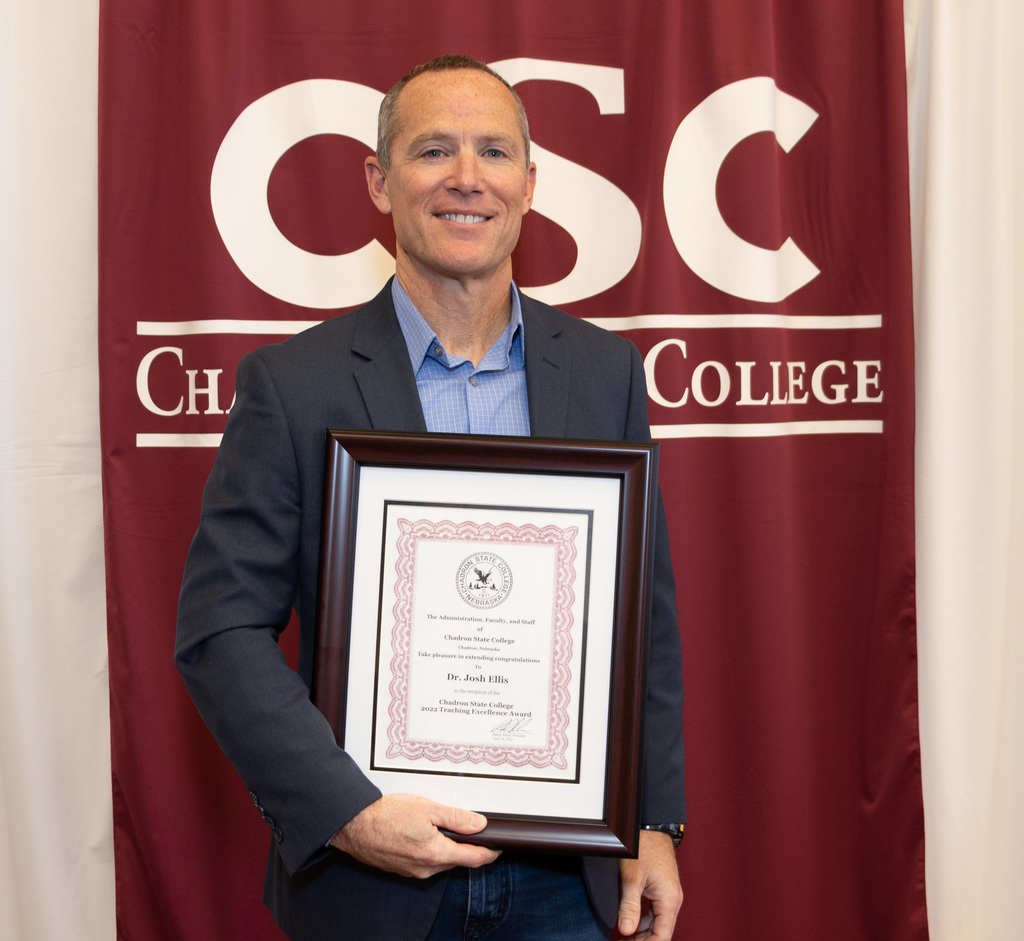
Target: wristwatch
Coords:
[(674, 830)]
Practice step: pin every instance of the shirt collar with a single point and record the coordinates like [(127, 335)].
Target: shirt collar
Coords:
[(420, 338)]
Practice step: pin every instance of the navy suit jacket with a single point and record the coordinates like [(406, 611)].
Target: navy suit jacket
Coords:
[(255, 556)]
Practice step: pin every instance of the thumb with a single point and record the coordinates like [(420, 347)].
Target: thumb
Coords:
[(629, 909), (458, 820)]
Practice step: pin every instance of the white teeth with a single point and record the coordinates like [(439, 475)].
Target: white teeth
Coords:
[(462, 219)]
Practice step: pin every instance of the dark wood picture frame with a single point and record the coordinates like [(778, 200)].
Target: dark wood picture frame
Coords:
[(634, 466)]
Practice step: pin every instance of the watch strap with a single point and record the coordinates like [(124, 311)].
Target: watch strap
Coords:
[(674, 830)]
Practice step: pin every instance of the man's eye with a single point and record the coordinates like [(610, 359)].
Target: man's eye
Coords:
[(433, 152), (494, 152)]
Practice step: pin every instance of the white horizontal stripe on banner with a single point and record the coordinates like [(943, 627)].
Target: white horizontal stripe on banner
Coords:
[(181, 328), (699, 430), (767, 429), (178, 328), (178, 441), (739, 321)]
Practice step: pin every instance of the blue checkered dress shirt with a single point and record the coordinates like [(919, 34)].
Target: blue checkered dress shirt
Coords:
[(456, 397)]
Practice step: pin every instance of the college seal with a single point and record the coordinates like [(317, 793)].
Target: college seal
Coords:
[(484, 580)]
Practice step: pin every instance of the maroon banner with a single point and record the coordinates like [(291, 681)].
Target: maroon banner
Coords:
[(723, 182)]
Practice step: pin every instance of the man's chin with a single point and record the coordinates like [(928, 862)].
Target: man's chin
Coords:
[(463, 266)]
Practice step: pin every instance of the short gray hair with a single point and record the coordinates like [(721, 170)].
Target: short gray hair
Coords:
[(387, 120)]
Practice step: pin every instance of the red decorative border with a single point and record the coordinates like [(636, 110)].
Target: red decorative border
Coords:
[(553, 753)]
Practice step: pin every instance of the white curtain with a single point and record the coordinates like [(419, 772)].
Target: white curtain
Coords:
[(966, 69), (56, 857)]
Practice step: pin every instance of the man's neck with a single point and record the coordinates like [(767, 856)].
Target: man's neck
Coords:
[(467, 316)]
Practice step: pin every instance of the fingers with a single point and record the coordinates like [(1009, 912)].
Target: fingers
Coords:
[(658, 924), (465, 822), (399, 833), (468, 854), (457, 820)]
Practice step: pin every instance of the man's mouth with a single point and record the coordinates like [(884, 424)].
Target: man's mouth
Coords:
[(461, 218)]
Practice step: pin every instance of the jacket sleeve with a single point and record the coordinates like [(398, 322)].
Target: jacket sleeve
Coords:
[(240, 582), (664, 799)]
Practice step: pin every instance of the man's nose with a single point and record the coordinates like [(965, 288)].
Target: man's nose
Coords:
[(465, 172)]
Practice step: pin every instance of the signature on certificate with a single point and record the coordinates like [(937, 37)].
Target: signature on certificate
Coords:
[(513, 725)]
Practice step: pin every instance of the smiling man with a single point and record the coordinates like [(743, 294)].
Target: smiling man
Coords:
[(454, 172), (449, 345)]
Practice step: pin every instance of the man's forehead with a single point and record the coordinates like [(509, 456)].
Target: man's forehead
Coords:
[(453, 76), (440, 85), (462, 102)]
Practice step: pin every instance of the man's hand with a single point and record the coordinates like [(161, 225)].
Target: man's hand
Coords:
[(654, 876), (399, 833)]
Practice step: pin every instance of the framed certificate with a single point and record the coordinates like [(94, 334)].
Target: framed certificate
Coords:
[(481, 627)]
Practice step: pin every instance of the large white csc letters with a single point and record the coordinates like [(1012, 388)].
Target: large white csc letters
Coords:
[(601, 219)]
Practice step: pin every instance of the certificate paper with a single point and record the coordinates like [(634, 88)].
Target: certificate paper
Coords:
[(482, 640), (480, 632)]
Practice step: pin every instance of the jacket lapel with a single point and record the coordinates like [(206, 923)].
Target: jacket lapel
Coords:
[(385, 377), (548, 361), (388, 385)]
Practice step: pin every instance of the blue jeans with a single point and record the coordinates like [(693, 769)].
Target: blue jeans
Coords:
[(519, 897)]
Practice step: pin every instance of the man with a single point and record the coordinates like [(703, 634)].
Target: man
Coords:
[(449, 345)]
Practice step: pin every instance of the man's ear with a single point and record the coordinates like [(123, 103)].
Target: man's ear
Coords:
[(531, 185), (377, 184)]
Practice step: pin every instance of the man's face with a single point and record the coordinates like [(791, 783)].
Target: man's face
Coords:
[(458, 184)]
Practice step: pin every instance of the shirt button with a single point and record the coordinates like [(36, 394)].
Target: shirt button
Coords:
[(438, 350), (472, 381)]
